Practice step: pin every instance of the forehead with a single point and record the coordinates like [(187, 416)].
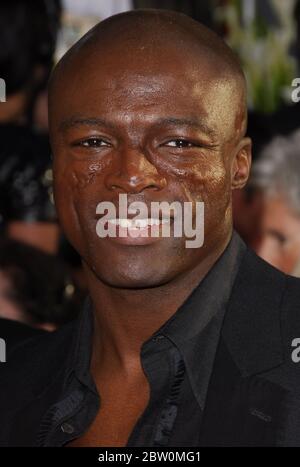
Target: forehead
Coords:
[(132, 87)]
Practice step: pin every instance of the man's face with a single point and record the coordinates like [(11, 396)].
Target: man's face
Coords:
[(157, 129)]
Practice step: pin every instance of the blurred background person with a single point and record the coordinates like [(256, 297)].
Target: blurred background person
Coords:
[(28, 35), (36, 288), (28, 38), (28, 32), (37, 293), (26, 201), (276, 176), (247, 213)]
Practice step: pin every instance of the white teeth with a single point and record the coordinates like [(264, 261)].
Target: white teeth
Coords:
[(125, 223), (153, 221), (141, 223), (122, 222), (138, 223)]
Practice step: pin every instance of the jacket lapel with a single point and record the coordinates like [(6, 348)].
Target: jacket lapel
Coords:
[(243, 408), (240, 410)]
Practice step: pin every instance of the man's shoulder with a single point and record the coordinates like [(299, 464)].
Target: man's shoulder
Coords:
[(285, 291), (262, 324), (266, 290), (274, 280)]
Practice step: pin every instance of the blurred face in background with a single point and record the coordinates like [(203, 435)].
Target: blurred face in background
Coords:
[(280, 244), (247, 212)]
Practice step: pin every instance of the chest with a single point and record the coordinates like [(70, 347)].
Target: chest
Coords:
[(120, 409)]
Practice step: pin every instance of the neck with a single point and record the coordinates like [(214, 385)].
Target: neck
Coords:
[(126, 318)]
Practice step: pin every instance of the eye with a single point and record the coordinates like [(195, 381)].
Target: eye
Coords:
[(180, 144), (93, 143)]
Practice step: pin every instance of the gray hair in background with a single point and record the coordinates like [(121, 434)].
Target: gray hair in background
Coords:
[(277, 171)]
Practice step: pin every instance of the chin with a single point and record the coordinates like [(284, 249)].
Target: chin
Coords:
[(132, 279), (129, 283)]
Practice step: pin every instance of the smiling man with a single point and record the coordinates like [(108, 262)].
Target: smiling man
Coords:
[(176, 346)]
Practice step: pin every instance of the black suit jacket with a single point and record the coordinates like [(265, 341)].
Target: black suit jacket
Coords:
[(253, 397)]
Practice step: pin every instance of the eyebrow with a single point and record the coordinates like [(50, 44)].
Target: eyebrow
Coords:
[(195, 123), (88, 121)]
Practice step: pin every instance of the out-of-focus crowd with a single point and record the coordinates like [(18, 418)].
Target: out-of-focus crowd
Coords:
[(41, 281)]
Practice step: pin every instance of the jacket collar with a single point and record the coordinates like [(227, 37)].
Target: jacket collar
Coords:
[(251, 328)]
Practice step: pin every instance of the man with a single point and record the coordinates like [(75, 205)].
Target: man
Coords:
[(177, 346), (276, 176)]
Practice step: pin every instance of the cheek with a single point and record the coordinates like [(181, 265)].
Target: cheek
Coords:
[(76, 192), (209, 183), (78, 181)]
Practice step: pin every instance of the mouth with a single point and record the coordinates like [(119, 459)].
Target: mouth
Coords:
[(138, 231), (137, 223)]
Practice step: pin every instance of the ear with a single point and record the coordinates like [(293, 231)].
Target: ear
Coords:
[(241, 164)]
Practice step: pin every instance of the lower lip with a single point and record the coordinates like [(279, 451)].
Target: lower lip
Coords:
[(141, 236)]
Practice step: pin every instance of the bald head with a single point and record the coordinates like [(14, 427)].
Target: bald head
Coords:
[(145, 30), (153, 39)]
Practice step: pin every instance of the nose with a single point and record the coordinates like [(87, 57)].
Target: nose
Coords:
[(134, 174)]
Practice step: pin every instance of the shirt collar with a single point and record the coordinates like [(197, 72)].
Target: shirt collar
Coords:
[(82, 346), (210, 295), (195, 327)]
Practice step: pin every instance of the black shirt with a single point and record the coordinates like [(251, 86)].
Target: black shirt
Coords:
[(177, 361), (47, 395), (16, 333)]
